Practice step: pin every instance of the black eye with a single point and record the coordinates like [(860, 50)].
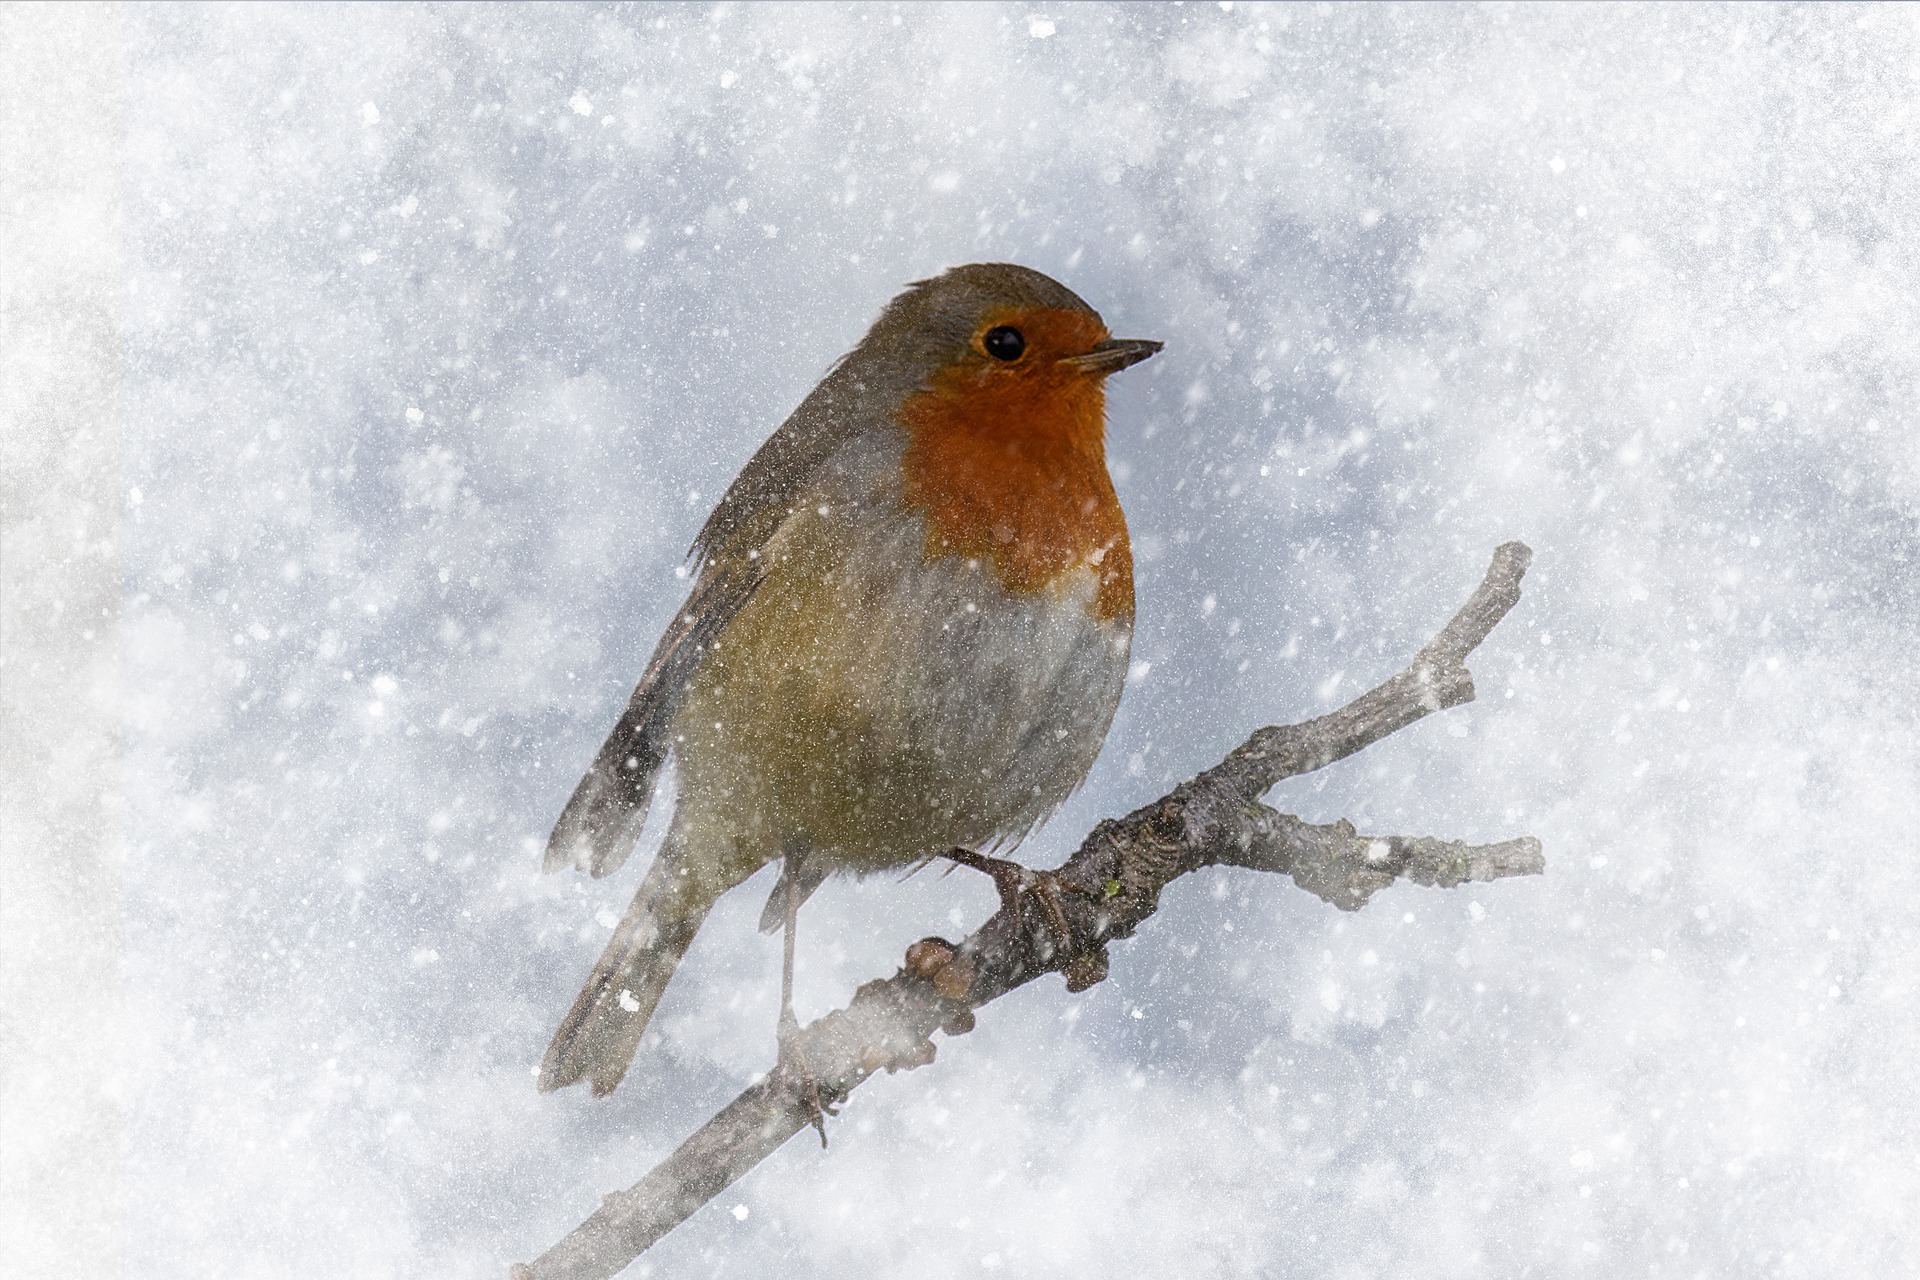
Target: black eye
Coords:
[(1004, 342)]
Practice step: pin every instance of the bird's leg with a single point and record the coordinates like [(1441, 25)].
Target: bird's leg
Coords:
[(787, 1035), (1012, 880)]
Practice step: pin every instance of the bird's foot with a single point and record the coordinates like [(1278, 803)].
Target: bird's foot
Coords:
[(793, 1062), (1013, 881)]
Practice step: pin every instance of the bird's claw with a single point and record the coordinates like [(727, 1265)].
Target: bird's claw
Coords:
[(1015, 881), (793, 1062)]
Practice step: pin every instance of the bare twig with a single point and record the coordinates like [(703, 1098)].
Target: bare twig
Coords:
[(1108, 887)]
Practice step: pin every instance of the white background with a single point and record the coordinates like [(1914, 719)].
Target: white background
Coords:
[(444, 328)]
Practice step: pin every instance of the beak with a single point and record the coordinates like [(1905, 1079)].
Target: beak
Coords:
[(1113, 355)]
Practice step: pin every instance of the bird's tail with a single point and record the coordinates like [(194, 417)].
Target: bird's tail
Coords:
[(597, 1040)]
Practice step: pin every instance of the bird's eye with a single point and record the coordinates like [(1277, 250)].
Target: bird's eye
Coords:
[(1004, 342)]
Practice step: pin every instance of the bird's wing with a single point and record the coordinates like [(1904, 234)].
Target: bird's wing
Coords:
[(846, 404), (602, 821), (598, 827)]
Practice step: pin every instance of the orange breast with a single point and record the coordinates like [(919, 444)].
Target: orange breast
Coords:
[(1009, 466)]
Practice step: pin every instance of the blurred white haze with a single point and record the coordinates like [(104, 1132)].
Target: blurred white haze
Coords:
[(445, 327)]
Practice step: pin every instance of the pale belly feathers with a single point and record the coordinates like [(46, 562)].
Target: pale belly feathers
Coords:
[(882, 708)]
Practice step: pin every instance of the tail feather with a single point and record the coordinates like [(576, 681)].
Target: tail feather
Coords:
[(597, 1040)]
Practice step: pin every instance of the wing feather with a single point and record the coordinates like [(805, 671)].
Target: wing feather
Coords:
[(601, 822)]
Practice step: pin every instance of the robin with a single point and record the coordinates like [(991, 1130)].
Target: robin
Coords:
[(908, 631)]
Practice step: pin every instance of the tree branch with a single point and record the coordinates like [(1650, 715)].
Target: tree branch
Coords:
[(1108, 887)]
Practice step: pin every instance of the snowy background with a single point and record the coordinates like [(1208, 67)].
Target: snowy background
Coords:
[(446, 326)]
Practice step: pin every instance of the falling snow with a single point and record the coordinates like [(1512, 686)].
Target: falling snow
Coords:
[(443, 326)]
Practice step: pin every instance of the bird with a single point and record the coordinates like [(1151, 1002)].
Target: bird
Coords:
[(910, 624)]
